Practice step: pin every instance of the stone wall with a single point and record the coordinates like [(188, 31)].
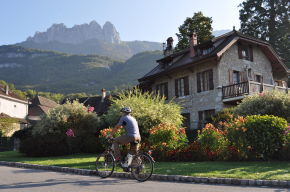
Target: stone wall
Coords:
[(195, 101), (230, 61)]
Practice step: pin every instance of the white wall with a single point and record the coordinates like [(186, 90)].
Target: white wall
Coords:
[(13, 107)]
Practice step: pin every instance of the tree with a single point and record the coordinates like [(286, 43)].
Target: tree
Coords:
[(199, 24), (268, 20)]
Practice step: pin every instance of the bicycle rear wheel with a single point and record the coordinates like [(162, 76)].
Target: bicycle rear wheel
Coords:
[(142, 167), (105, 165)]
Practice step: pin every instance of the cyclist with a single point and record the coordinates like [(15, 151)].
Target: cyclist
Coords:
[(132, 135)]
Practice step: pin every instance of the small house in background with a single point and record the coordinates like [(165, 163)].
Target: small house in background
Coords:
[(13, 106), (100, 103), (39, 106)]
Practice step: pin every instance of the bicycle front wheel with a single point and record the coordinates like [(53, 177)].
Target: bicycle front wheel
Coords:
[(105, 165), (142, 167)]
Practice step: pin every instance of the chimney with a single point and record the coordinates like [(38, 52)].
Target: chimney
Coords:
[(103, 94), (7, 90), (192, 43), (169, 46)]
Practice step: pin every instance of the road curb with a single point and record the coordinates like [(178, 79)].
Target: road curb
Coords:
[(158, 177)]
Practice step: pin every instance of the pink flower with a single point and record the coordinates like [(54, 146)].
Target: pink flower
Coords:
[(91, 109), (70, 133)]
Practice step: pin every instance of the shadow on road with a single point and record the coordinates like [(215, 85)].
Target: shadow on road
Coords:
[(53, 182)]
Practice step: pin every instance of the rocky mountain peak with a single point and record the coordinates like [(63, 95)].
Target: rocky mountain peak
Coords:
[(110, 33), (77, 34)]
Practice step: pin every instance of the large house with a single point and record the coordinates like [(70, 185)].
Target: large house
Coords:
[(13, 106), (216, 74)]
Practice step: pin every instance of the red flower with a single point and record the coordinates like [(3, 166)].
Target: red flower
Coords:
[(91, 109), (70, 133)]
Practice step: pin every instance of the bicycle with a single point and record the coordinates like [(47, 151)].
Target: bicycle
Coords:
[(141, 167)]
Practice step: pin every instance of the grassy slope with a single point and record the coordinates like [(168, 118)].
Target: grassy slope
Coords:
[(243, 170)]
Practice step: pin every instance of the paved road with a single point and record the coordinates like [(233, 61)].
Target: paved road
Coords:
[(31, 180)]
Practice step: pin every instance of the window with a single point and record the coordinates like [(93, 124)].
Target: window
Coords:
[(162, 89), (181, 86), (205, 117), (245, 52), (205, 81), (250, 74), (258, 78), (236, 77)]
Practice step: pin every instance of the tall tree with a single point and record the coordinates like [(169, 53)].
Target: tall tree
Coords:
[(199, 24), (268, 20)]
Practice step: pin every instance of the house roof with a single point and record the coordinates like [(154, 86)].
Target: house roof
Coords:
[(39, 100), (219, 45), (40, 105), (10, 93), (100, 105)]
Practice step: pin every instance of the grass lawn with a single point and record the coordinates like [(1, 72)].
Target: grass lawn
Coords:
[(243, 170)]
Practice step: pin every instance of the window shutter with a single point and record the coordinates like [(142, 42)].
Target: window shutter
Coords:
[(176, 88), (251, 53), (203, 81), (240, 51), (186, 86), (198, 83), (210, 74), (166, 90), (230, 76)]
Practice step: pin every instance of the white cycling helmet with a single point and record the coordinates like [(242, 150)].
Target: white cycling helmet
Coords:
[(126, 110)]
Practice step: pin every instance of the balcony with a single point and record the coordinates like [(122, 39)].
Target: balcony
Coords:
[(236, 92)]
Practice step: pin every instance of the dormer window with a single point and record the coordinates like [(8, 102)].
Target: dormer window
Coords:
[(245, 52)]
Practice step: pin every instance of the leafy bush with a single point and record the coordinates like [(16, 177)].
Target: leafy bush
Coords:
[(237, 139), (149, 109), (225, 115), (6, 125), (73, 116), (49, 135), (269, 103), (45, 145), (265, 134), (22, 133), (212, 141), (166, 136)]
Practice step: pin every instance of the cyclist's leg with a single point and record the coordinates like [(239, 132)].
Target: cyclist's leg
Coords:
[(122, 140), (134, 145)]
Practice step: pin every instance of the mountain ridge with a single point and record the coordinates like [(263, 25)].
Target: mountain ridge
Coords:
[(88, 38)]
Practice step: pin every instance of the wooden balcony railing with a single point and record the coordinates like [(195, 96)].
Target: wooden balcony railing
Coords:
[(235, 90)]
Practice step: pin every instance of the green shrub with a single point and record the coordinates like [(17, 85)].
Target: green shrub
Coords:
[(166, 137), (49, 134), (6, 125), (235, 132), (67, 116), (149, 109), (45, 145), (212, 141), (265, 134), (269, 103)]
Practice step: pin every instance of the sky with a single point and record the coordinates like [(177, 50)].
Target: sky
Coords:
[(148, 20)]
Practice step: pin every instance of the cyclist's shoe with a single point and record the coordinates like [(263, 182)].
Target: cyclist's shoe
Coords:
[(126, 169)]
